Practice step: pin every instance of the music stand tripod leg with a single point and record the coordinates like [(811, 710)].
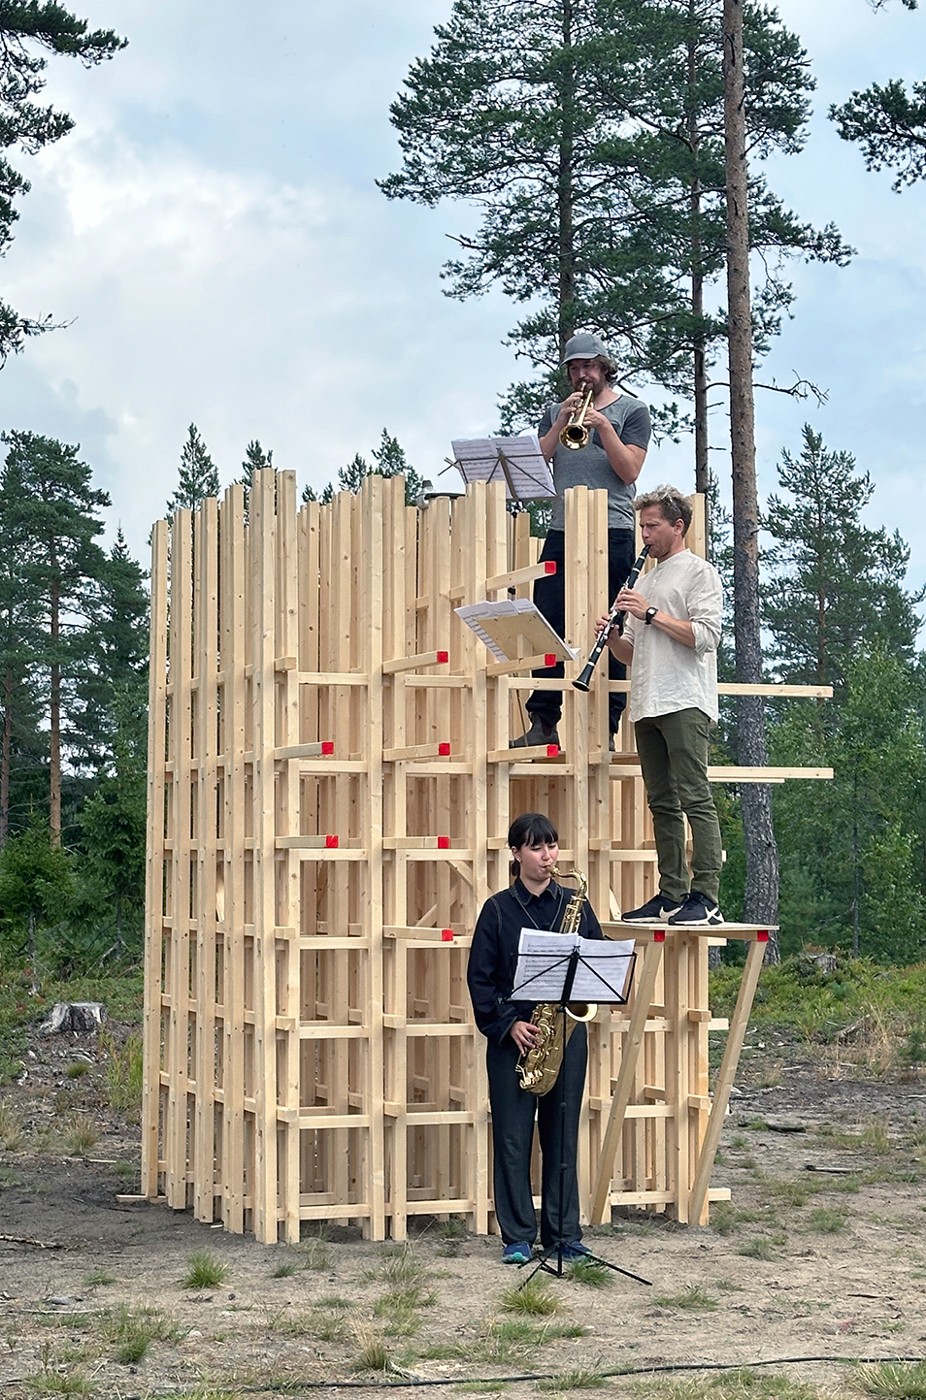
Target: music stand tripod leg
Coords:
[(543, 1261)]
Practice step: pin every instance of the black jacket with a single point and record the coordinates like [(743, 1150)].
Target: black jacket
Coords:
[(494, 953)]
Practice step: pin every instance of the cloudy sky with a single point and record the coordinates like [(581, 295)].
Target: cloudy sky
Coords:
[(213, 233)]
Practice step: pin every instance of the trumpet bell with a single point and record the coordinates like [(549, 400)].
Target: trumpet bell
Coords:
[(575, 433), (574, 436)]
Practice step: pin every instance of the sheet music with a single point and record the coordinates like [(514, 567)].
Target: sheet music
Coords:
[(483, 619), (602, 973), (518, 461)]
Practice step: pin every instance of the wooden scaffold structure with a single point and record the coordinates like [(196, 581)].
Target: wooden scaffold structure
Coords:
[(330, 788)]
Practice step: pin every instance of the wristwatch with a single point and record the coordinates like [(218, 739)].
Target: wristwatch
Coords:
[(649, 615)]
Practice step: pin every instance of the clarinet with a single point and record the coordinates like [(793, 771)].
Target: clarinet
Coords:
[(615, 619)]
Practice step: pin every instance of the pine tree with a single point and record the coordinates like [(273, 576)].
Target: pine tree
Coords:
[(23, 748), (198, 477), (596, 161), (27, 28), (838, 613), (255, 460), (390, 460), (55, 515), (113, 830), (834, 584), (112, 694)]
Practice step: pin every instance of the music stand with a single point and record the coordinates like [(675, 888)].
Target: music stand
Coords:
[(572, 969), (518, 461)]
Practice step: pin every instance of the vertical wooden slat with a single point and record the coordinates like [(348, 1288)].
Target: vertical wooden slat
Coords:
[(263, 599), (236, 796), (155, 931)]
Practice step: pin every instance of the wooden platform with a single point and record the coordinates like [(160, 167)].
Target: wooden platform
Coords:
[(330, 787)]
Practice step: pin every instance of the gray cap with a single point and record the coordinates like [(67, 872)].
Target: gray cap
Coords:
[(585, 346)]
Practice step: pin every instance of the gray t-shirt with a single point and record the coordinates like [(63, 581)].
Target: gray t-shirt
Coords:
[(589, 465)]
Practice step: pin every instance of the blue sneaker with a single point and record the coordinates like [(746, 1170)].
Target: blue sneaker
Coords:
[(575, 1250), (517, 1253)]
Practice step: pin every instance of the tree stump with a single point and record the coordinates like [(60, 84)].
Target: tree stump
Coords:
[(85, 1016)]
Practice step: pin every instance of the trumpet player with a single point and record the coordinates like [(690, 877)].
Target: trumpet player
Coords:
[(534, 900), (597, 437)]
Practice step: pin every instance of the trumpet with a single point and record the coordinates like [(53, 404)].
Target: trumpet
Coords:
[(575, 433)]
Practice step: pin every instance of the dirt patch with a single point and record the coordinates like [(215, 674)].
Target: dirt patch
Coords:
[(819, 1257)]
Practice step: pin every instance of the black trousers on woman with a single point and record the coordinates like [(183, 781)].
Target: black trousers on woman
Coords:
[(514, 1112)]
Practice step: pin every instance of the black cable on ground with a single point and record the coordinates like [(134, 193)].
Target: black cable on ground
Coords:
[(294, 1387)]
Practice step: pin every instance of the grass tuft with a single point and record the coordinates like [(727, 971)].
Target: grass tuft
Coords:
[(81, 1135), (894, 1381), (204, 1270), (12, 1133), (124, 1074), (533, 1299), (693, 1298), (581, 1378)]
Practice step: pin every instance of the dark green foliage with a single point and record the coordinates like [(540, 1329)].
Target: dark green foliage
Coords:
[(198, 477), (851, 850), (37, 890), (113, 828), (390, 461), (589, 138), (48, 504), (29, 30), (890, 126), (73, 698), (835, 585)]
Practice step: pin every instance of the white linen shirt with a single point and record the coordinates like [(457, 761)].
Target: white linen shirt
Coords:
[(667, 676)]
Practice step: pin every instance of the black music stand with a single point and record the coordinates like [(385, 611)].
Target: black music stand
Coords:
[(605, 992)]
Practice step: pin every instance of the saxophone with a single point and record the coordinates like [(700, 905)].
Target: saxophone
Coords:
[(538, 1069)]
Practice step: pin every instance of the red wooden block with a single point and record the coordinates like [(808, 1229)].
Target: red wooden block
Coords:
[(443, 657), (443, 843), (443, 750), (332, 842)]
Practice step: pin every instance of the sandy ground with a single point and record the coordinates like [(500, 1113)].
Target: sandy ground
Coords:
[(819, 1259)]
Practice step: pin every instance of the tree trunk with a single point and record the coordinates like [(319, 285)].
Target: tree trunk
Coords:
[(702, 470), (6, 757), (54, 720), (566, 290), (761, 897)]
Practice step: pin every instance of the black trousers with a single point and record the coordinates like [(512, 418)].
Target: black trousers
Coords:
[(514, 1112), (550, 598)]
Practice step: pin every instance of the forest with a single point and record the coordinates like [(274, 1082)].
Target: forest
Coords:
[(836, 611), (612, 121)]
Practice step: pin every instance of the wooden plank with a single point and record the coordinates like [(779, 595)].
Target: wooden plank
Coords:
[(725, 1076), (633, 1043), (205, 834), (263, 702), (154, 865)]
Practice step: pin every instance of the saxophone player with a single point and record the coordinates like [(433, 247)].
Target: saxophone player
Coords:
[(533, 900)]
